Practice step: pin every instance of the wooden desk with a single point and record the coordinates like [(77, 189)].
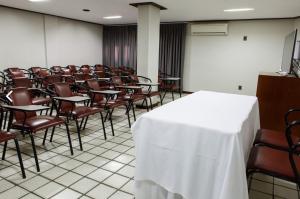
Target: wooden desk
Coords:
[(276, 95)]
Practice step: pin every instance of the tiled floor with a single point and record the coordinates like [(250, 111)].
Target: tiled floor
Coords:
[(103, 170)]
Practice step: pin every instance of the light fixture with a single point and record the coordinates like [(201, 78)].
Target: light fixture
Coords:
[(239, 10), (112, 17)]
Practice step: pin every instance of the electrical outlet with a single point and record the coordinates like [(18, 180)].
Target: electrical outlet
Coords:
[(240, 87)]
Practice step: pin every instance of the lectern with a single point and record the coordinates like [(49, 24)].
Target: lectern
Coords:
[(276, 95)]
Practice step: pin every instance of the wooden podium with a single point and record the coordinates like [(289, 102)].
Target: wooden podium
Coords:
[(276, 95)]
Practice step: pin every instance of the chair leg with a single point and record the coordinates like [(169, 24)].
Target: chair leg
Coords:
[(103, 125), (4, 150), (133, 111), (79, 136), (146, 106), (81, 123), (34, 153), (69, 137), (5, 119), (20, 158), (52, 134), (111, 122), (85, 122), (161, 101), (151, 105), (106, 115), (128, 116), (173, 95), (45, 136)]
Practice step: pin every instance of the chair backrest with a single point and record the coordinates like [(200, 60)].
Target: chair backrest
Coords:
[(73, 68), (85, 70), (56, 69), (51, 79), (116, 80), (35, 70), (100, 73), (12, 69), (99, 67), (94, 85), (294, 145), (64, 90), (21, 97), (22, 82), (43, 73), (134, 78), (15, 72)]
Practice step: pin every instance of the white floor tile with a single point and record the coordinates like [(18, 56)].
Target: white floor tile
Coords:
[(116, 181), (66, 194), (101, 192)]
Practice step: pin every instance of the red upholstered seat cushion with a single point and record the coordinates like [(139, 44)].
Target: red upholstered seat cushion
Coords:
[(38, 123), (84, 111), (273, 138), (273, 162), (5, 136)]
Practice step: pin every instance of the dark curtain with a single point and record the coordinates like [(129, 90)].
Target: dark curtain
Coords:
[(171, 49), (120, 46)]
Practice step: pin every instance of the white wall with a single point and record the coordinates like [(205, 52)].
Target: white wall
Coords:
[(29, 39), (72, 42), (221, 63), (21, 39)]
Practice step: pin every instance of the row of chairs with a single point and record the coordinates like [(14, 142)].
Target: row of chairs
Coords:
[(277, 153), (73, 96), (42, 77)]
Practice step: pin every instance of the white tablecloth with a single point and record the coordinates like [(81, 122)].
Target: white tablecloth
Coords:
[(195, 147)]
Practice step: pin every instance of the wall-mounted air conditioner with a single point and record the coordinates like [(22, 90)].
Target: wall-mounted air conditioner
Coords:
[(209, 29)]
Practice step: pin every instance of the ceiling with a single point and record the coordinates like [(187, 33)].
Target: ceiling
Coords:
[(177, 10)]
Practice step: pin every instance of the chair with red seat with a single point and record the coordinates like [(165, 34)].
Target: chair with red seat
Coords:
[(149, 93), (99, 71), (39, 96), (72, 111), (277, 163), (73, 69), (130, 97), (28, 122), (276, 139), (106, 102), (15, 72), (7, 136)]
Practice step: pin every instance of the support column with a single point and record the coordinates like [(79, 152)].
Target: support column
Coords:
[(148, 39)]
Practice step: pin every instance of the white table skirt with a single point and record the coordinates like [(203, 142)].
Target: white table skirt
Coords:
[(195, 147)]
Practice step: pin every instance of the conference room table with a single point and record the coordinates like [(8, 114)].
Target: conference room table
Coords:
[(195, 147)]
